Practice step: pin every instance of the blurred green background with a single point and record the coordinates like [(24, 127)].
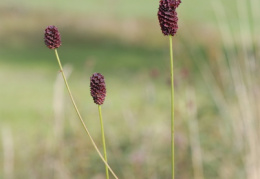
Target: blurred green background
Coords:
[(216, 56)]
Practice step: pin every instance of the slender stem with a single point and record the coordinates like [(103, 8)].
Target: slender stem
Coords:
[(75, 106), (103, 138), (172, 106)]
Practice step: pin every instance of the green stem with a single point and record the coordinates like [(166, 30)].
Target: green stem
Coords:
[(82, 122), (103, 138), (172, 107)]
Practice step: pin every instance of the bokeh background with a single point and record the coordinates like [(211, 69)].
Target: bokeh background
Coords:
[(216, 56)]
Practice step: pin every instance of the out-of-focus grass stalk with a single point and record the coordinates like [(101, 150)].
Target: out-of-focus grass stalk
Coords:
[(194, 134), (248, 101), (172, 105), (243, 78), (229, 44), (103, 138), (60, 171), (78, 113), (58, 104), (8, 153)]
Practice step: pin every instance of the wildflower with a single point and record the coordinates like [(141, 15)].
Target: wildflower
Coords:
[(52, 37), (98, 88), (168, 17)]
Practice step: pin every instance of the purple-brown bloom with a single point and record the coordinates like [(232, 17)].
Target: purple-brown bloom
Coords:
[(98, 88), (52, 37), (167, 16)]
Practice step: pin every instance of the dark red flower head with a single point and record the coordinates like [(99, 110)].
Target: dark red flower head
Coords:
[(174, 3), (98, 88), (167, 16), (52, 37)]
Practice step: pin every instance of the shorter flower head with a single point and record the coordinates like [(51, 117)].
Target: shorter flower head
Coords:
[(98, 88), (167, 16), (52, 37)]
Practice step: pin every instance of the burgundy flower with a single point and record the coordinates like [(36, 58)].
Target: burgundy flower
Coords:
[(167, 16), (52, 37), (174, 3), (98, 88)]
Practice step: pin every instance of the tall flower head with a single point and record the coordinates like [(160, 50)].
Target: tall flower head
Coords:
[(52, 37), (98, 88), (167, 16)]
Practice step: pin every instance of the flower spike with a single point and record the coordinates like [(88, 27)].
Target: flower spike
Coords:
[(98, 88), (52, 37), (168, 17)]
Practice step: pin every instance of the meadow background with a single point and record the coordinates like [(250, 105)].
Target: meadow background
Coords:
[(216, 54)]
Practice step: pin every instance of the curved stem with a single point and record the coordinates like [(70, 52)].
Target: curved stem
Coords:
[(172, 106), (82, 122), (103, 138)]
